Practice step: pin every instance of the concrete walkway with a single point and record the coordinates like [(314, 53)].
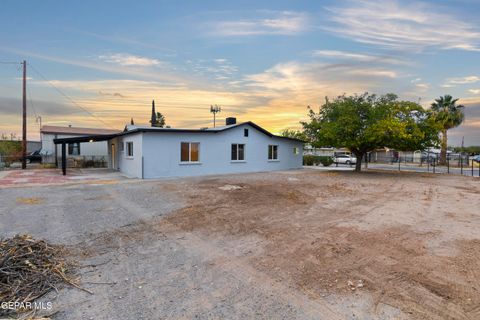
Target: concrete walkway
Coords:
[(35, 177)]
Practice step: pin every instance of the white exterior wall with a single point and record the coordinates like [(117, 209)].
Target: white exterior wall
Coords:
[(131, 166), (161, 153), (99, 148)]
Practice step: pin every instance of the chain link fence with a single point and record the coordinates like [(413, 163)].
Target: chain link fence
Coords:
[(14, 161), (430, 163)]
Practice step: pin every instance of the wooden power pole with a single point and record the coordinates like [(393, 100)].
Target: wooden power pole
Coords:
[(24, 120)]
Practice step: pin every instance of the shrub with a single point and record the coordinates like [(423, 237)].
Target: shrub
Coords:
[(308, 160), (325, 160)]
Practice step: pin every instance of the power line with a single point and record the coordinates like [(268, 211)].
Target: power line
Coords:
[(9, 62), (31, 104), (68, 97)]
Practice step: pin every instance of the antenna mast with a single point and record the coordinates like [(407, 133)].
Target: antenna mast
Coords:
[(215, 109)]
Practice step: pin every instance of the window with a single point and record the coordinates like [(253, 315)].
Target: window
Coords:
[(129, 149), (122, 147), (245, 132), (272, 152), (295, 150), (74, 149), (238, 152), (189, 151)]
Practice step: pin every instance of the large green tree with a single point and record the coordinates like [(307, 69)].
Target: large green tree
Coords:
[(363, 123), (448, 115), (296, 134)]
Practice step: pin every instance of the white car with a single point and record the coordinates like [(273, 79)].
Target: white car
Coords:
[(344, 159)]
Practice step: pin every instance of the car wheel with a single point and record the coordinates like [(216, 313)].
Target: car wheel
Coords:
[(347, 162)]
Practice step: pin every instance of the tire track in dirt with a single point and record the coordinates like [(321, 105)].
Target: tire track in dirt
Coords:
[(126, 236)]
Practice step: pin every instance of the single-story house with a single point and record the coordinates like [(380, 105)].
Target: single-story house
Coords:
[(52, 152), (152, 152)]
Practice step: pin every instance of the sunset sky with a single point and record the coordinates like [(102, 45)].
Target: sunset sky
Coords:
[(263, 61)]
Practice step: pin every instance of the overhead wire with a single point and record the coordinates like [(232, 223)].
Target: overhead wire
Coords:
[(68, 97)]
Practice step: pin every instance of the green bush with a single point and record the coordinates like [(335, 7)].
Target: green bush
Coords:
[(310, 160), (326, 160)]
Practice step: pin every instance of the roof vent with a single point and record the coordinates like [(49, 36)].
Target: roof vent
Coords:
[(230, 121)]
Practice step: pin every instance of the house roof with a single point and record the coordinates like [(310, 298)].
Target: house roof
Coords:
[(77, 130), (130, 129)]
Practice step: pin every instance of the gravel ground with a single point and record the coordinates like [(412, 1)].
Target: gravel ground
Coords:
[(283, 245)]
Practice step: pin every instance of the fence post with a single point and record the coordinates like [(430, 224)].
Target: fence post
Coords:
[(472, 167), (448, 165), (399, 162), (461, 164)]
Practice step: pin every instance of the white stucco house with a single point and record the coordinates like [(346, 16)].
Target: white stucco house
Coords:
[(51, 152), (151, 152)]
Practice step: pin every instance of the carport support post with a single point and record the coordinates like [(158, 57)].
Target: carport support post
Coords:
[(64, 159)]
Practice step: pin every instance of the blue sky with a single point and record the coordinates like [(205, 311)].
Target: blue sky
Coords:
[(264, 61)]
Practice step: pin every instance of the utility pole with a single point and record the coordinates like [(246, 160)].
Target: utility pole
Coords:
[(24, 120), (215, 109)]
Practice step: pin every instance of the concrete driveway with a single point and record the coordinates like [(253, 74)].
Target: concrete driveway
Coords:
[(47, 177)]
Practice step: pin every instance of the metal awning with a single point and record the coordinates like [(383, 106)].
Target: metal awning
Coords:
[(79, 139)]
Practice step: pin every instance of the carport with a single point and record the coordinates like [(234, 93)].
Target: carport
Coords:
[(81, 139)]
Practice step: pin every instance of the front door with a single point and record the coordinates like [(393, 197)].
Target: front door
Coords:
[(114, 166)]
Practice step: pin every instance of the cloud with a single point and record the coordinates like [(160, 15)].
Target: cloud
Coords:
[(166, 75), (474, 91), (352, 56), (402, 25), (470, 127), (462, 80), (219, 69), (277, 23), (124, 59)]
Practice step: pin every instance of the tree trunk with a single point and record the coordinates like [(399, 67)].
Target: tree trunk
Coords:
[(358, 165), (443, 152)]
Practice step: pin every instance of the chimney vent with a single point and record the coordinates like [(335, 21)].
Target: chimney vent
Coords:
[(230, 121)]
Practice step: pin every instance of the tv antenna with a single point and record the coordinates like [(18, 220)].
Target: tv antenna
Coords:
[(215, 109)]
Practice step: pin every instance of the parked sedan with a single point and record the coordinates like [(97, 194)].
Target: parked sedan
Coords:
[(345, 159)]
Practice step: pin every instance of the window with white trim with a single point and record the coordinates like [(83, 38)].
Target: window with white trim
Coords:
[(129, 145), (190, 152), (238, 152), (272, 152)]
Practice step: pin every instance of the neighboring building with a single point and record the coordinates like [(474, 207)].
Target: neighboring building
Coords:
[(33, 146), (309, 150), (51, 152), (151, 152)]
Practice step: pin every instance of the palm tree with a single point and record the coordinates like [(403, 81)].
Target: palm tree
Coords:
[(449, 115)]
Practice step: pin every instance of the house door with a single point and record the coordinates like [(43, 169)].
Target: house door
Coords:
[(113, 156)]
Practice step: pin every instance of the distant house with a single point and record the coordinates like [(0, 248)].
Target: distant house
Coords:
[(51, 152), (152, 152)]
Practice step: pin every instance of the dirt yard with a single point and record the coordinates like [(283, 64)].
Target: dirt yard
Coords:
[(299, 244)]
